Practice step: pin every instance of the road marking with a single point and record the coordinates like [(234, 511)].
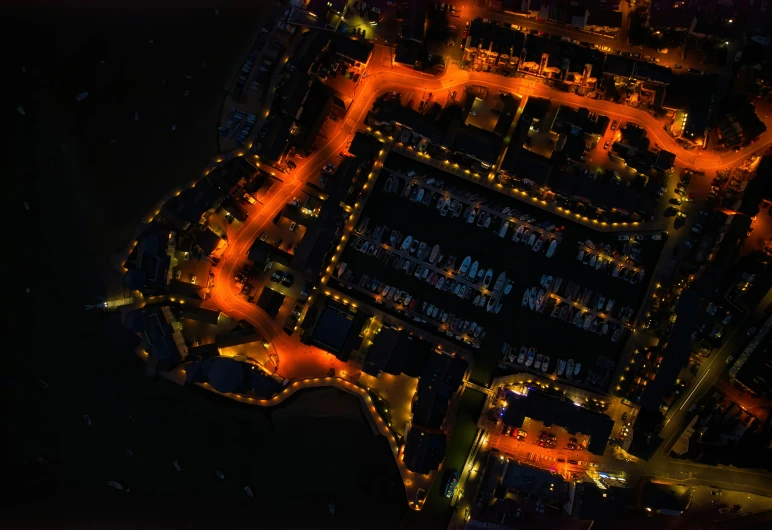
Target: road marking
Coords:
[(694, 390)]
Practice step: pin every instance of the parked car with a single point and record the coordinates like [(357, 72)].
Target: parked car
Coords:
[(605, 146), (614, 125)]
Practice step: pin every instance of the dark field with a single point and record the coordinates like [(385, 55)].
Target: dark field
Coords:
[(514, 324)]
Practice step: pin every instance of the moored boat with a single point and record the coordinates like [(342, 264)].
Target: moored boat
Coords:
[(488, 277), (593, 260), (472, 215), (457, 210), (532, 298), (552, 247), (421, 248), (434, 254), (570, 368), (538, 244), (481, 219), (503, 229), (518, 234), (601, 301), (420, 196), (530, 356), (473, 270), (545, 363), (387, 186), (508, 288), (532, 240), (577, 368), (526, 297), (406, 243), (523, 353), (445, 207), (561, 366), (500, 282), (464, 265)]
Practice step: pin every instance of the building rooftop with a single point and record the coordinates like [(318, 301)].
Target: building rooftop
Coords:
[(676, 353), (536, 482), (524, 164), (354, 49), (270, 301), (318, 240), (424, 450), (332, 329), (552, 410), (670, 14)]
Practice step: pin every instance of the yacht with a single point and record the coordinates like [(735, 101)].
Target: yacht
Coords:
[(406, 243), (481, 219), (406, 267), (594, 327), (508, 288), (561, 366), (498, 307), (526, 233), (445, 207), (537, 363), (477, 299), (501, 280), (552, 247), (521, 357), (593, 260), (609, 305), (587, 258), (387, 186), (570, 368), (604, 329), (473, 270), (532, 240), (580, 255), (545, 363), (503, 229), (488, 278), (430, 181), (434, 254), (456, 289), (556, 310), (599, 264), (413, 246), (465, 265), (617, 269), (440, 282), (342, 269), (557, 284), (458, 208), (467, 211), (538, 244), (462, 291), (530, 357), (487, 222), (518, 234), (425, 273), (564, 313), (393, 237), (364, 247), (472, 215), (406, 193), (526, 297), (617, 335), (548, 283), (420, 196), (421, 249), (601, 301), (440, 202), (590, 244), (482, 301), (540, 298), (418, 271), (436, 310), (532, 298), (577, 368)]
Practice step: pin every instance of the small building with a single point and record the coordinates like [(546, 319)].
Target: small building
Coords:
[(270, 301), (665, 499), (665, 161), (424, 450), (536, 482), (164, 342), (151, 259), (189, 207)]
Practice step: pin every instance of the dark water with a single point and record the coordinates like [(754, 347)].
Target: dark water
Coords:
[(86, 195), (514, 324)]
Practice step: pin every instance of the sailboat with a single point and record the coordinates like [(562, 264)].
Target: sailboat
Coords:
[(552, 247), (434, 254), (465, 265), (488, 278)]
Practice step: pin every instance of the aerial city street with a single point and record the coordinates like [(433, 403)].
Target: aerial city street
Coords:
[(530, 239)]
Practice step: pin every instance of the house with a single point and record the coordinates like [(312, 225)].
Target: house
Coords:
[(676, 353), (190, 206), (310, 118), (605, 21), (547, 486), (665, 499), (551, 410), (320, 238), (441, 378), (592, 500), (151, 259), (424, 450), (475, 143), (521, 164), (273, 140), (337, 330), (395, 352), (231, 175), (208, 241), (164, 343)]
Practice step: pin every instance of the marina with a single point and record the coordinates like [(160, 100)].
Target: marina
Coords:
[(459, 250)]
